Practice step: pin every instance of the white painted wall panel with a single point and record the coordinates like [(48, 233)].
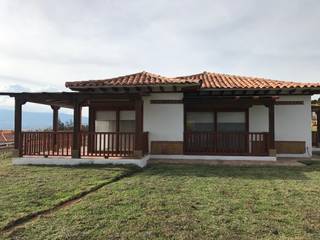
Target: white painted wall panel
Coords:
[(293, 122), (164, 122), (258, 119)]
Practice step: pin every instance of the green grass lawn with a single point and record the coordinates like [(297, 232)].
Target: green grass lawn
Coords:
[(192, 202), (27, 189)]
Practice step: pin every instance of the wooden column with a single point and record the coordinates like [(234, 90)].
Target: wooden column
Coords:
[(272, 150), (55, 118), (318, 127), (76, 129), (139, 127), (18, 123), (55, 123), (91, 128)]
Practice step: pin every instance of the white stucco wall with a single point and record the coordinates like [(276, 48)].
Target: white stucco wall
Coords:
[(292, 122), (164, 122), (258, 119)]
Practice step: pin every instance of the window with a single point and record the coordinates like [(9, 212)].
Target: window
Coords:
[(106, 121), (231, 122), (127, 121), (200, 121)]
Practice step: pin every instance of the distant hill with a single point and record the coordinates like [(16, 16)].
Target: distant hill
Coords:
[(33, 120)]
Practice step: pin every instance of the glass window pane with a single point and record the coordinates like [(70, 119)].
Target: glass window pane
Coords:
[(127, 115), (105, 121), (200, 121), (106, 115), (127, 121), (231, 122), (105, 126)]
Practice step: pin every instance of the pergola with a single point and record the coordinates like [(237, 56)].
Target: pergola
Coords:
[(75, 101)]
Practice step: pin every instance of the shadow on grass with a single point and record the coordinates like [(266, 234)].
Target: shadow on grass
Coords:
[(241, 172)]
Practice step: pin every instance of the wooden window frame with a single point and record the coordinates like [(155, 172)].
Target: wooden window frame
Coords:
[(215, 116), (114, 107)]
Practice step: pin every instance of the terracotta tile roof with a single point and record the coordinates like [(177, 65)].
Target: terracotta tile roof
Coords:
[(132, 80), (225, 81), (207, 80)]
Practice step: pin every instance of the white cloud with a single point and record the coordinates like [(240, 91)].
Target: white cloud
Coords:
[(49, 42)]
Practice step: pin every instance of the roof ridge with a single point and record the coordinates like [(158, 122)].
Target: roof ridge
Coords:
[(243, 76), (205, 79)]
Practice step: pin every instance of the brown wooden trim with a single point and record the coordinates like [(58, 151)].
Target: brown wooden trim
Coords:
[(113, 105), (214, 143), (289, 103), (76, 130), (55, 118), (215, 116), (55, 122), (91, 128), (247, 120), (139, 121), (199, 107), (166, 101), (18, 123), (167, 147), (290, 147), (271, 126)]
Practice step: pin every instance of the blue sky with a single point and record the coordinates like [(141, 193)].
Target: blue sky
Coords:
[(45, 43)]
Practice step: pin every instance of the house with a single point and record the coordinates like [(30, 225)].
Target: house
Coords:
[(201, 116)]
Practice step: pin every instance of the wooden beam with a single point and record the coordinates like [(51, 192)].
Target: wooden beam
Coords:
[(138, 89), (289, 103), (115, 89), (165, 101), (126, 89), (174, 88)]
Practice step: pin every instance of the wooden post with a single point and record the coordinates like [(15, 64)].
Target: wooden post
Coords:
[(318, 127), (91, 128), (76, 129), (18, 125), (55, 122), (55, 118), (272, 149), (139, 129)]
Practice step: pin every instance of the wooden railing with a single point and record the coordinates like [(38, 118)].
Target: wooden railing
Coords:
[(99, 144), (226, 143), (107, 144), (46, 143), (315, 139)]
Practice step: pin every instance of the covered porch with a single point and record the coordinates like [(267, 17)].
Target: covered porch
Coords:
[(80, 143)]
